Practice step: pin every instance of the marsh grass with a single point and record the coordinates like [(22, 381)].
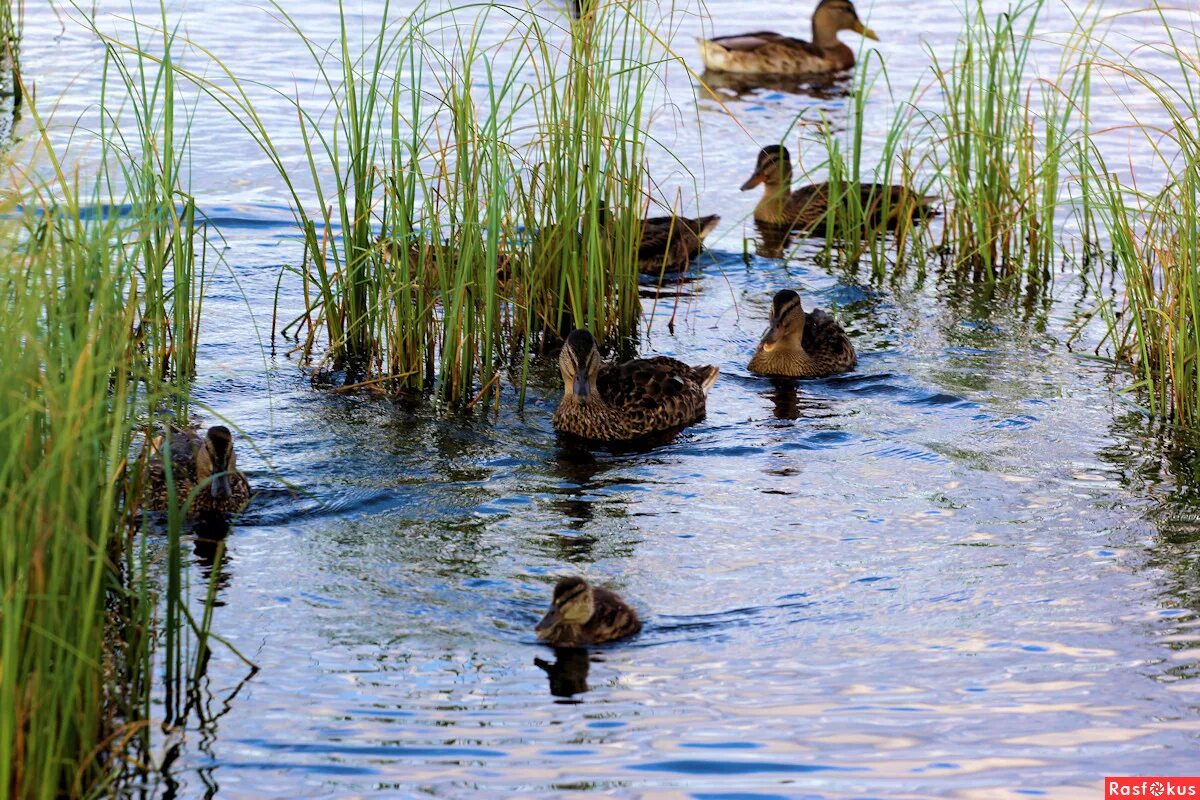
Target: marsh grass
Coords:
[(464, 199), (101, 283), (1152, 234), (1005, 139)]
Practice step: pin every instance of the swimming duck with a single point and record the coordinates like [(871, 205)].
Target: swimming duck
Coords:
[(580, 615), (622, 402), (800, 345), (670, 243), (769, 53), (207, 464), (804, 209)]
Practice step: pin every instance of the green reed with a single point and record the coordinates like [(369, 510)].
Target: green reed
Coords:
[(90, 353), (1153, 234), (1004, 139), (871, 224), (464, 198)]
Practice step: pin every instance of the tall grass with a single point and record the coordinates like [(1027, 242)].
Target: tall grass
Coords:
[(11, 15), (96, 271), (464, 195), (1153, 234), (1005, 139)]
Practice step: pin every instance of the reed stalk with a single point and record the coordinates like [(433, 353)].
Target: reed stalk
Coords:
[(98, 268)]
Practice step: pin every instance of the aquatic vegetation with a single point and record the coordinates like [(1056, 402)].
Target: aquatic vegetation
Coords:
[(1152, 235), (445, 235), (99, 328), (1004, 138)]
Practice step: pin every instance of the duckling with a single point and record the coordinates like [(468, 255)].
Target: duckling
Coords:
[(804, 209), (580, 615), (208, 465), (622, 402), (670, 243), (769, 53), (799, 345)]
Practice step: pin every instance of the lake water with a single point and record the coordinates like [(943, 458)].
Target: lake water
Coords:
[(968, 569)]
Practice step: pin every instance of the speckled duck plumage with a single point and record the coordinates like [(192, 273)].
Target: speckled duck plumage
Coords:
[(670, 243), (801, 345), (581, 615), (770, 53), (624, 402), (207, 462)]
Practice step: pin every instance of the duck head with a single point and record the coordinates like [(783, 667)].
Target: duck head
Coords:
[(573, 604), (832, 16), (774, 168), (786, 325), (579, 363), (216, 460)]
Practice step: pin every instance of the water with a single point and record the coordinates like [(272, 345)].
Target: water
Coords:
[(965, 570)]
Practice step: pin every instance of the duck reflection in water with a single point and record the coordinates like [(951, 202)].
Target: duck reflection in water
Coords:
[(774, 241), (208, 544), (568, 672), (786, 396)]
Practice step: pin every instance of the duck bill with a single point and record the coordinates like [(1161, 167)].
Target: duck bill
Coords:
[(220, 487), (770, 339), (862, 30), (580, 386), (755, 180), (552, 618)]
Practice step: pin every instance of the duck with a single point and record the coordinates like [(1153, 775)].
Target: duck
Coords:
[(582, 615), (804, 209), (770, 53), (800, 345), (629, 401), (669, 243), (204, 471)]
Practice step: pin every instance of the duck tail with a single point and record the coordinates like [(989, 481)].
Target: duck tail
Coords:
[(707, 225), (708, 376)]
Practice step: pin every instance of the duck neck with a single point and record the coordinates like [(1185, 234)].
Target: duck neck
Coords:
[(772, 207), (825, 36)]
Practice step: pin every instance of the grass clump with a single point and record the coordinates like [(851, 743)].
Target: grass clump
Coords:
[(99, 281), (460, 202), (1153, 234)]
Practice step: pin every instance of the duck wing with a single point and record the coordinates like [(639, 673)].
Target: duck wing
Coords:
[(825, 339), (673, 240), (642, 383), (612, 619), (900, 204), (750, 42)]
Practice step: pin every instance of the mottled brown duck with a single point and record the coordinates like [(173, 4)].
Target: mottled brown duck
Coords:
[(770, 53), (206, 464), (581, 615), (801, 345), (670, 243), (805, 209), (624, 402)]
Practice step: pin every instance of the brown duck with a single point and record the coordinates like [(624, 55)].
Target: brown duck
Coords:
[(581, 615), (769, 53), (800, 345), (670, 243), (805, 209), (206, 464), (623, 402)]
